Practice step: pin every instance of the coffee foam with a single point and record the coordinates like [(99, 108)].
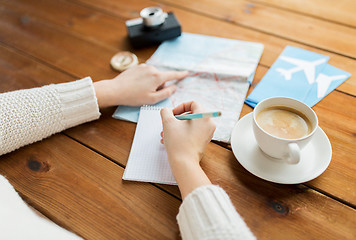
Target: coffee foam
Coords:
[(284, 122)]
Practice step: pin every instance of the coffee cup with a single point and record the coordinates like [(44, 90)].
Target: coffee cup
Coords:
[(282, 127)]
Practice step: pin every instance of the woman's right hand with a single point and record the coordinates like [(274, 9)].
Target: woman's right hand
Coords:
[(186, 139), (185, 142)]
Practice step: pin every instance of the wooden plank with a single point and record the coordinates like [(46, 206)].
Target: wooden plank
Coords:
[(18, 72), (278, 22), (83, 192), (342, 11), (53, 46), (87, 30), (94, 26), (75, 24)]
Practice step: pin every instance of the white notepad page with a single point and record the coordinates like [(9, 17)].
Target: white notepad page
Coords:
[(148, 160)]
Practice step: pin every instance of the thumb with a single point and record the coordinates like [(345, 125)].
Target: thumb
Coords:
[(167, 115), (164, 93)]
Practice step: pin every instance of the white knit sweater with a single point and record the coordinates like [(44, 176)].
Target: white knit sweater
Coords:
[(207, 213), (30, 115), (27, 116)]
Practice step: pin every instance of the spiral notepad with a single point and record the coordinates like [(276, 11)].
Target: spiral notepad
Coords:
[(148, 160)]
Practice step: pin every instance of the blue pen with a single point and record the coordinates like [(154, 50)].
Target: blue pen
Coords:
[(198, 115)]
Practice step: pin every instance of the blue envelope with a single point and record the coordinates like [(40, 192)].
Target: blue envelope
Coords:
[(329, 79), (296, 74)]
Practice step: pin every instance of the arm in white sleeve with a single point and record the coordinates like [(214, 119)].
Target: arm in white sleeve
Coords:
[(207, 213), (30, 115)]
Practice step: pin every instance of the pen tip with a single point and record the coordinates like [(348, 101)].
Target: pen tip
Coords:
[(219, 113)]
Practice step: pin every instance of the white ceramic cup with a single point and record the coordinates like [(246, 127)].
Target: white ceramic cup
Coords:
[(286, 150)]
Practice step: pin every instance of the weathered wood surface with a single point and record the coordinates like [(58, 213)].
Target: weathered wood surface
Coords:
[(44, 42), (338, 179), (278, 22), (86, 27), (342, 11), (77, 188)]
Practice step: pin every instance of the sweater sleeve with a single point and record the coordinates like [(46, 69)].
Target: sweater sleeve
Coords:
[(207, 213), (30, 115)]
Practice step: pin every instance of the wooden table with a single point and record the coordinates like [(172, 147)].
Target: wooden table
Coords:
[(74, 177)]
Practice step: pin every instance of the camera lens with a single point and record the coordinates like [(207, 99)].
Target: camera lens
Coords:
[(153, 16)]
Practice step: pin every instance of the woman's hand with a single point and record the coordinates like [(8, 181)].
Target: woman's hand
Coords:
[(186, 138), (185, 142), (137, 86)]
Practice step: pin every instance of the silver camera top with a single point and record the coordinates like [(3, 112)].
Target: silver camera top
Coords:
[(153, 27), (153, 16)]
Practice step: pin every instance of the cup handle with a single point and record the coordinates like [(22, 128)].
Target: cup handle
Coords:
[(294, 153)]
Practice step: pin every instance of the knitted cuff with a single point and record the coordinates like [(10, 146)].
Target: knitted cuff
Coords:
[(208, 213), (78, 101)]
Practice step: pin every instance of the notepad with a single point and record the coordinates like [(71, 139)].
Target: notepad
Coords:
[(148, 160)]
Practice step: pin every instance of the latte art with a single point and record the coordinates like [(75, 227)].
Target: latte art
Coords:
[(284, 122)]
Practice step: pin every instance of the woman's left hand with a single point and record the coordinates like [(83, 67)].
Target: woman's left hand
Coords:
[(139, 85)]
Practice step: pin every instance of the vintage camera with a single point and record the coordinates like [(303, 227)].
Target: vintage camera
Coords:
[(153, 27)]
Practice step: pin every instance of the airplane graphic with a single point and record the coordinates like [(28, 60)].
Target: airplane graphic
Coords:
[(301, 65), (324, 82)]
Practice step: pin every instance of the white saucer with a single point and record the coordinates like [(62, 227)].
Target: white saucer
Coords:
[(315, 157)]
